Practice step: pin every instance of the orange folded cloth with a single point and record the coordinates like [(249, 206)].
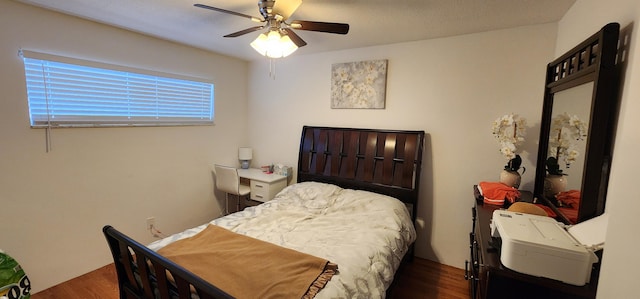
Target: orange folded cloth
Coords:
[(569, 198), (548, 210), (495, 193), (570, 213)]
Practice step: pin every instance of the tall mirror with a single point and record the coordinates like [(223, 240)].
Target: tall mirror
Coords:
[(577, 127)]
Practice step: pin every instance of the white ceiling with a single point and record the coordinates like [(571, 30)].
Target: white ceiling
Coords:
[(372, 22)]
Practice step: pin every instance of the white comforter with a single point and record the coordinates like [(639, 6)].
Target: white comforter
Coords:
[(365, 233)]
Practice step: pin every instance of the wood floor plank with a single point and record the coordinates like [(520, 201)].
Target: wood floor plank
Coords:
[(419, 279), (427, 279), (100, 283)]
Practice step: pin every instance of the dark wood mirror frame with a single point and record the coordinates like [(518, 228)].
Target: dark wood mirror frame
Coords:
[(593, 60)]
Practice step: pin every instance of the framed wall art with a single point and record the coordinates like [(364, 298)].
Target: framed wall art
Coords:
[(359, 85)]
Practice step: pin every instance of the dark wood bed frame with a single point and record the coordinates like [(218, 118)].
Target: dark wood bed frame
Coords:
[(383, 161)]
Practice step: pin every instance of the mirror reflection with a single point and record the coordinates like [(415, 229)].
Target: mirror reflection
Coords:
[(581, 89), (567, 148)]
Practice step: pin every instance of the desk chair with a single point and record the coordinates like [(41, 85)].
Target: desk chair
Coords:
[(228, 181)]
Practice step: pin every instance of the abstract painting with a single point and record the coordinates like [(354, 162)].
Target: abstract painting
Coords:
[(359, 85)]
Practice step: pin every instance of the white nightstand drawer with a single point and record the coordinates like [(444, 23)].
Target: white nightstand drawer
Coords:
[(263, 191)]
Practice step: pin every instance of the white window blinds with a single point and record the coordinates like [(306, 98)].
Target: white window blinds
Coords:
[(80, 94)]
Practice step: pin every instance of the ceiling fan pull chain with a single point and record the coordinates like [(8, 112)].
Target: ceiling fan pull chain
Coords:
[(272, 68)]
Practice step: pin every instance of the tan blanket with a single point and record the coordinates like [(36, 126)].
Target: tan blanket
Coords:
[(246, 267)]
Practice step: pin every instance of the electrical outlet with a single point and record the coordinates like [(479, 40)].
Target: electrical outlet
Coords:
[(151, 221)]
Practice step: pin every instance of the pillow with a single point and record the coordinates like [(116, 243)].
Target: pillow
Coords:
[(312, 195)]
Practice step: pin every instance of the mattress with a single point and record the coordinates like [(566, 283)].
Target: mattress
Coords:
[(365, 233)]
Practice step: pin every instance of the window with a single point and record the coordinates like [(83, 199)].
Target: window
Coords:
[(66, 92)]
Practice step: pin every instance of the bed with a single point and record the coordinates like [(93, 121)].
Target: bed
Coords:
[(354, 205)]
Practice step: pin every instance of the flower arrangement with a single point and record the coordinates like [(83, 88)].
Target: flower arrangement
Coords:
[(509, 131), (566, 131)]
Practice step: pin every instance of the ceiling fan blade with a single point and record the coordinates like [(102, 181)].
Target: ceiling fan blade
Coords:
[(338, 28), (286, 8), (228, 12), (243, 32), (295, 38)]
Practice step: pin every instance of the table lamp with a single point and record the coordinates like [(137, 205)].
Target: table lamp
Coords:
[(245, 154)]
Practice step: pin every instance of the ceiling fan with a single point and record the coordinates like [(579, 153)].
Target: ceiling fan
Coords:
[(280, 40)]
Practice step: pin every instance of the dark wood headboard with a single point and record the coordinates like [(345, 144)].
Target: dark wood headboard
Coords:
[(382, 161)]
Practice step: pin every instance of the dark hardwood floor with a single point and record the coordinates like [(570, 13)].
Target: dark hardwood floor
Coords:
[(423, 278), (100, 283), (418, 279)]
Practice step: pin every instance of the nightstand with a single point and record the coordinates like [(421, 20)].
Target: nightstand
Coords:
[(264, 187)]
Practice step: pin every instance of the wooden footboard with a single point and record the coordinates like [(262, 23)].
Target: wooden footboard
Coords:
[(142, 273)]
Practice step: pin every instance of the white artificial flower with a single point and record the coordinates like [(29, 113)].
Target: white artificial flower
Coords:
[(566, 131), (509, 131)]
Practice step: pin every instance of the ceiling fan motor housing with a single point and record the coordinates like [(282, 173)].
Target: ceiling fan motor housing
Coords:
[(266, 8)]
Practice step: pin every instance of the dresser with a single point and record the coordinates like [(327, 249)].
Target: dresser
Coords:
[(489, 279)]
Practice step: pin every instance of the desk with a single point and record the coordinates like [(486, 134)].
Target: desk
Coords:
[(264, 187)]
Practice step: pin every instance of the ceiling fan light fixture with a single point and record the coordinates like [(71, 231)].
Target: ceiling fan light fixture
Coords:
[(260, 44), (274, 44), (287, 45)]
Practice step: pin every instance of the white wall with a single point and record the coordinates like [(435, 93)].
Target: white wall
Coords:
[(452, 88), (618, 277), (55, 204)]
